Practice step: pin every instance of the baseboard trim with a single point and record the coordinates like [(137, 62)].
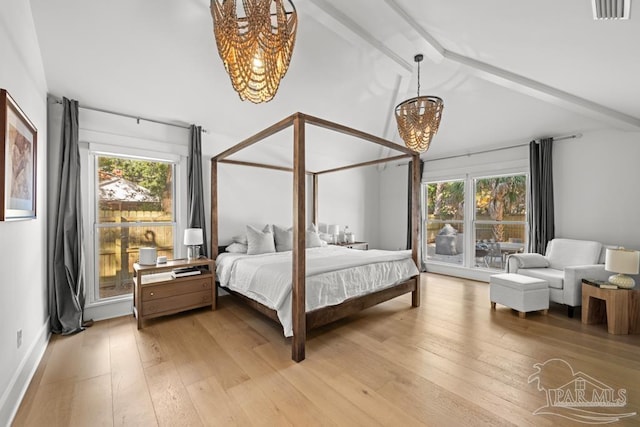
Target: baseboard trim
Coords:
[(12, 397), (108, 309)]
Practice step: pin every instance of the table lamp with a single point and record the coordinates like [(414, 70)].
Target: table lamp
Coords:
[(334, 230), (623, 262), (193, 240)]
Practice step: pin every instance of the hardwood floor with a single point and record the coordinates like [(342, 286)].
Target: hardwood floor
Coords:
[(452, 361)]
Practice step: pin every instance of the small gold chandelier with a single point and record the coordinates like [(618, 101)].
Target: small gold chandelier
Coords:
[(255, 49), (419, 118)]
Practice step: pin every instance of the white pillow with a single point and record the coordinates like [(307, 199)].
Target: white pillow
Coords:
[(241, 238), (283, 237), (313, 240), (236, 248), (260, 242), (327, 238)]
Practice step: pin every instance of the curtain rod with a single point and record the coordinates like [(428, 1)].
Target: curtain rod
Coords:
[(130, 116), (557, 138)]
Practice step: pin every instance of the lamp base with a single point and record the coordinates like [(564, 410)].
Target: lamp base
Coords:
[(622, 281), (193, 253)]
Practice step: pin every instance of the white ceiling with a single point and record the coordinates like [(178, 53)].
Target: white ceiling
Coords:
[(508, 71)]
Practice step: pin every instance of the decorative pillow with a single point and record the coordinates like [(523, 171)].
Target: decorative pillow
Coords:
[(313, 240), (242, 239), (236, 248), (327, 238), (260, 242), (283, 237)]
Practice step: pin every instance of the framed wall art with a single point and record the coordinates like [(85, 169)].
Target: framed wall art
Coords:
[(18, 147)]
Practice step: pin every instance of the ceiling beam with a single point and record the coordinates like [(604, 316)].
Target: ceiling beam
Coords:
[(544, 92), (433, 49), (518, 82)]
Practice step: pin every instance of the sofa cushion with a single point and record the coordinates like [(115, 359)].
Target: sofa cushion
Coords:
[(554, 277), (567, 252)]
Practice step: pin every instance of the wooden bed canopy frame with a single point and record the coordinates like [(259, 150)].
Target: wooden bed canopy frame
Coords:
[(301, 319)]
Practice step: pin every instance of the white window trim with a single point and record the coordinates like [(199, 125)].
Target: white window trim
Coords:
[(96, 308)]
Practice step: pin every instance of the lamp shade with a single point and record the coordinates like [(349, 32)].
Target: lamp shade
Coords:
[(334, 229), (622, 261), (193, 236)]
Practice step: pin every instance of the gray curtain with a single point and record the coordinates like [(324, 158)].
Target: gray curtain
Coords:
[(409, 190), (66, 278), (195, 208), (541, 213)]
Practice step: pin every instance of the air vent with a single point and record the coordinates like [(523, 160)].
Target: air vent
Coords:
[(611, 9)]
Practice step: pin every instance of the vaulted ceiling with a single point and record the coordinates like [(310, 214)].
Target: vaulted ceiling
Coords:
[(508, 71)]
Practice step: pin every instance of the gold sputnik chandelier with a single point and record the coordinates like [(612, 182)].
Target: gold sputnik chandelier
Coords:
[(419, 118), (256, 48)]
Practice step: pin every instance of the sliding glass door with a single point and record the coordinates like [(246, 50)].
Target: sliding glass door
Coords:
[(443, 238)]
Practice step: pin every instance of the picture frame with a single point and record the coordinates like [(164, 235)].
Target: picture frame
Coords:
[(18, 166)]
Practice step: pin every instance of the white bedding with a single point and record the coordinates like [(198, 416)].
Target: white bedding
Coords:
[(333, 275)]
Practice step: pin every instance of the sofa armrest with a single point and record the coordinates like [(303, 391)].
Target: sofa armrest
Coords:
[(573, 281)]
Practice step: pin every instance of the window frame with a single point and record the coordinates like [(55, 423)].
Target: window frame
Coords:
[(475, 222), (92, 280), (425, 219), (507, 162)]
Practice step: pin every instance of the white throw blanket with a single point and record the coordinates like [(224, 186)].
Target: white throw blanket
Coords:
[(333, 274)]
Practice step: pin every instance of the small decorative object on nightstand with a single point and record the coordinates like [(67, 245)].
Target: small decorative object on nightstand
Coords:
[(192, 240), (334, 231), (623, 262)]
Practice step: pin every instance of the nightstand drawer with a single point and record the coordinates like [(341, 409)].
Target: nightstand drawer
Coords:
[(176, 287), (177, 303)]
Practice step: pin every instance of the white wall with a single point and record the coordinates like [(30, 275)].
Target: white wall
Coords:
[(393, 180), (596, 180), (255, 196), (23, 289)]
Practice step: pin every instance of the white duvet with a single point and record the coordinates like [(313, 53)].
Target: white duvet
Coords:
[(333, 275)]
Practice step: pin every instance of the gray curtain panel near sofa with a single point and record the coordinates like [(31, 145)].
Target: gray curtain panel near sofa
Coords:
[(541, 214)]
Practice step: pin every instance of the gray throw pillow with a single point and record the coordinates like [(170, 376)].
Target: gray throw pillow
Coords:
[(260, 242), (283, 237)]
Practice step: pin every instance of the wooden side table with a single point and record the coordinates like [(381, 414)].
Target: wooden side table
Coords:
[(355, 245), (156, 293), (619, 308)]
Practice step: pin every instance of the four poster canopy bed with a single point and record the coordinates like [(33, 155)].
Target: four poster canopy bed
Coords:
[(304, 302)]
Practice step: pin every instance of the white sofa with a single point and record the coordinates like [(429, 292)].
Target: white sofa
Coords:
[(565, 263)]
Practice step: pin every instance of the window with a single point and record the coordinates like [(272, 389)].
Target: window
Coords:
[(135, 207), (444, 225), (500, 216)]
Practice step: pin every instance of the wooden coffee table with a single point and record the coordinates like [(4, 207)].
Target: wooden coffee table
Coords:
[(619, 308)]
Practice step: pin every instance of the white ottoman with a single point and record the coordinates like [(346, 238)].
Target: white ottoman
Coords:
[(519, 292)]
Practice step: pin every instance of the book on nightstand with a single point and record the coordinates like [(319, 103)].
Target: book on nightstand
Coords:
[(184, 272), (600, 284)]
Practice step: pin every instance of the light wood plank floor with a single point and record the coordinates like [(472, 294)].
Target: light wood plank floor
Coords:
[(453, 361)]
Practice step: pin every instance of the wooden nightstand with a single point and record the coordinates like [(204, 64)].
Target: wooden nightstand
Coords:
[(363, 246), (157, 294)]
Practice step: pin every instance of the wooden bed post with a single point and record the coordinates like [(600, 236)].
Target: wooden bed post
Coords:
[(314, 208), (415, 223), (214, 209), (298, 300)]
